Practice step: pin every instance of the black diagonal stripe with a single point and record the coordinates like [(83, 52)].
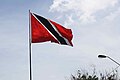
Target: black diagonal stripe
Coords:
[(46, 23)]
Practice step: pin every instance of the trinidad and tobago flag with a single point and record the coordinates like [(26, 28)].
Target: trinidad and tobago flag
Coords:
[(43, 30)]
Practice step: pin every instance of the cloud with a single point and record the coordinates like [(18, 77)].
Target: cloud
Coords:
[(69, 21), (84, 10), (103, 34), (113, 15)]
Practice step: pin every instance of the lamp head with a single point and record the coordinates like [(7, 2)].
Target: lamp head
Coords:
[(102, 56)]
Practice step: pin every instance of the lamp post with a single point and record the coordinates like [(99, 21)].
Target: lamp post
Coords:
[(104, 56)]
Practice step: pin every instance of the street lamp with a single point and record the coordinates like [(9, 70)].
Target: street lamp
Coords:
[(104, 56)]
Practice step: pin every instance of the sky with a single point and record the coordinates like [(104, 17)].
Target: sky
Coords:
[(95, 25)]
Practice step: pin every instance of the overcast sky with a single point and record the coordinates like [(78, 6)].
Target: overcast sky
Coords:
[(96, 30)]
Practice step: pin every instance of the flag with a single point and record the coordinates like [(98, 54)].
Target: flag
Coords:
[(43, 30)]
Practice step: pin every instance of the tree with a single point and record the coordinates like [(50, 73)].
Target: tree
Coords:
[(94, 76)]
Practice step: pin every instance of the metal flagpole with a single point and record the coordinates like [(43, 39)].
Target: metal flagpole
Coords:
[(30, 56)]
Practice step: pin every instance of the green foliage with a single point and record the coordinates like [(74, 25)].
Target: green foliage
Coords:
[(94, 76)]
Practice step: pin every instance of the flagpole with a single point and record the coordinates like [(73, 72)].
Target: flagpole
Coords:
[(30, 56)]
